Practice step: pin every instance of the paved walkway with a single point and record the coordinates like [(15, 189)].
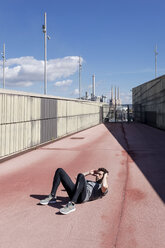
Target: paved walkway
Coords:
[(131, 215)]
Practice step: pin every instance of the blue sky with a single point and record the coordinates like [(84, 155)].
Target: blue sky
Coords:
[(115, 40)]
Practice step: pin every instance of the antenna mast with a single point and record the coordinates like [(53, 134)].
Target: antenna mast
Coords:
[(4, 60)]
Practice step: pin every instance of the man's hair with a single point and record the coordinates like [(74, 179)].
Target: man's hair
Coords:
[(104, 170)]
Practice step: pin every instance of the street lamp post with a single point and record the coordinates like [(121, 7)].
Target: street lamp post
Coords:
[(156, 53), (80, 67), (45, 55)]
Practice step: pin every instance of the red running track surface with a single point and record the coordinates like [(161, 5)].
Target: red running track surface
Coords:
[(131, 215)]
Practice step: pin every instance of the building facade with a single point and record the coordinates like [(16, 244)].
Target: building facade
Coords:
[(149, 102)]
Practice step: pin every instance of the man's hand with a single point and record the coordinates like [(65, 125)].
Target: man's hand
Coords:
[(104, 186), (91, 172)]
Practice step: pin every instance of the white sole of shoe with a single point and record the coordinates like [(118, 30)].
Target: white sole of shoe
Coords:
[(67, 212), (42, 203), (46, 203)]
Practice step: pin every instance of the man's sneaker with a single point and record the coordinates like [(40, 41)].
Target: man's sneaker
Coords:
[(47, 200), (70, 207)]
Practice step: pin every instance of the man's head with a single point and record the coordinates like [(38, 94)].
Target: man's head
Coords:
[(100, 174)]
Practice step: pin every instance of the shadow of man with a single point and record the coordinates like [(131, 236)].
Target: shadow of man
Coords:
[(61, 201)]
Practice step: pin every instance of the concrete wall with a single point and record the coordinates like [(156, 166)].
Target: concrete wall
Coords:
[(28, 120), (149, 102), (105, 110)]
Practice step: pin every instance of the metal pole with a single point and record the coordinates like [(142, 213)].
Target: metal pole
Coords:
[(79, 77), (115, 103), (45, 56), (156, 53), (4, 65), (128, 116)]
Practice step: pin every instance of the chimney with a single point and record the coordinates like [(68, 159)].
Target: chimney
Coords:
[(112, 93)]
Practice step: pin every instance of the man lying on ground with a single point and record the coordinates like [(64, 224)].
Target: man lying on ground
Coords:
[(82, 191)]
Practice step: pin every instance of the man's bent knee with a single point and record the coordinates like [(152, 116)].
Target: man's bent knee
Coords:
[(59, 170), (80, 175)]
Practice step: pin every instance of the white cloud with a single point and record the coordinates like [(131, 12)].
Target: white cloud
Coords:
[(23, 84), (26, 71), (63, 83), (76, 92)]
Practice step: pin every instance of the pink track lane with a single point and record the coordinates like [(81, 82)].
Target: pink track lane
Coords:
[(131, 215)]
